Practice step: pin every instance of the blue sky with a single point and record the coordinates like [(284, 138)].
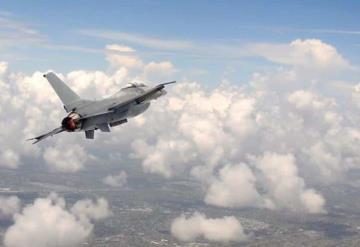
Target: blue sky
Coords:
[(68, 32)]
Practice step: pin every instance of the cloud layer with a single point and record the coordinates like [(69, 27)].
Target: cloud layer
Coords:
[(277, 138)]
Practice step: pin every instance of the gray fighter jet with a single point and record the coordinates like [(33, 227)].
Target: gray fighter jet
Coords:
[(90, 115)]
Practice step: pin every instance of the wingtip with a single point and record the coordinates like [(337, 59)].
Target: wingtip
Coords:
[(31, 139), (170, 82)]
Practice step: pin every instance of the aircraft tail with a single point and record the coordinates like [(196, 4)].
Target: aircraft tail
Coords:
[(65, 93)]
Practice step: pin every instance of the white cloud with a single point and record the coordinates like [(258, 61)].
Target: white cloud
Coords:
[(9, 159), (16, 32), (65, 158), (156, 43), (166, 158), (3, 67), (88, 210), (9, 205), (327, 162), (355, 95), (119, 48), (127, 61), (198, 225), (235, 187), (118, 180), (305, 99), (159, 71), (309, 53), (285, 189), (47, 223)]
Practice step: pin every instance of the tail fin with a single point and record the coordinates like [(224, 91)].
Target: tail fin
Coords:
[(64, 92)]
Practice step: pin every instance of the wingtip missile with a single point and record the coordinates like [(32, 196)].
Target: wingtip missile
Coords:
[(167, 83)]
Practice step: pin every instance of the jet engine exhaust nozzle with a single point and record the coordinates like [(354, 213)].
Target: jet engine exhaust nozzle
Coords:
[(72, 122)]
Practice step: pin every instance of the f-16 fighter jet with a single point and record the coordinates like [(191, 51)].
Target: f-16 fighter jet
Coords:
[(90, 115)]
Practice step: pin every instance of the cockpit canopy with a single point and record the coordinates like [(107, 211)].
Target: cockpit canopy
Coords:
[(134, 84), (131, 88)]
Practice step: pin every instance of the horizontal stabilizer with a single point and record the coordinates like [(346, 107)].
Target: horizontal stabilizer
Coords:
[(51, 133)]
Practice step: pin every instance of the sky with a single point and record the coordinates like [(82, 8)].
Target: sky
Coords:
[(207, 40), (266, 103)]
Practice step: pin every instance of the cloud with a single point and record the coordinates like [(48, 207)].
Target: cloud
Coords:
[(64, 159), (330, 31), (47, 222), (120, 56), (15, 32), (198, 225), (159, 71), (88, 210), (9, 158), (150, 42), (355, 95), (119, 48), (118, 180), (233, 124), (285, 189), (276, 175), (309, 53), (224, 191), (9, 205), (166, 158), (128, 61)]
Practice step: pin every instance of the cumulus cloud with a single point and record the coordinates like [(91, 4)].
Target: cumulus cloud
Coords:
[(118, 180), (198, 225), (88, 210), (309, 53), (9, 206), (205, 136), (285, 189), (127, 61), (276, 175), (229, 125), (159, 71), (235, 187), (47, 222), (166, 158)]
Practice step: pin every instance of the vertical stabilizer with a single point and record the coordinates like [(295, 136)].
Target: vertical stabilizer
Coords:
[(65, 93)]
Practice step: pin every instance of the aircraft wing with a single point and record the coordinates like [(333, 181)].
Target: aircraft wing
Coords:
[(51, 133), (142, 97)]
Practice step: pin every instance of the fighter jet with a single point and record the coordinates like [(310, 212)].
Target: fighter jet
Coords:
[(90, 115)]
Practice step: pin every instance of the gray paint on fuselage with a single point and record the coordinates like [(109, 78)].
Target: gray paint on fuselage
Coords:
[(102, 106)]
